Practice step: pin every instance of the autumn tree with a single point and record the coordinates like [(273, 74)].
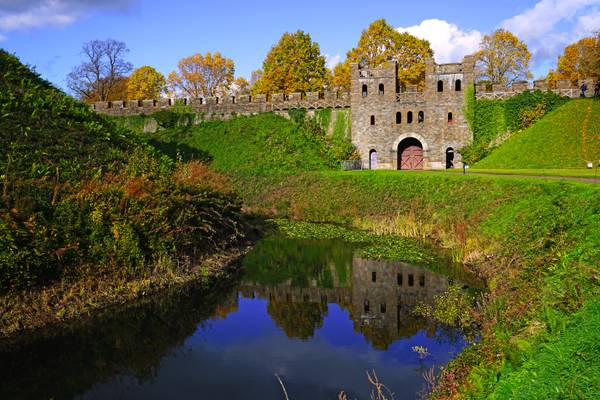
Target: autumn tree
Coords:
[(502, 58), (576, 62), (240, 86), (294, 64), (145, 83), (341, 77), (102, 75), (202, 75), (381, 42)]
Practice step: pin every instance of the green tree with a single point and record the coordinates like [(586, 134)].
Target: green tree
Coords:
[(380, 42), (294, 64), (145, 83), (502, 58)]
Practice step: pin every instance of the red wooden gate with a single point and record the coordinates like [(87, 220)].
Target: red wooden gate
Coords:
[(410, 154)]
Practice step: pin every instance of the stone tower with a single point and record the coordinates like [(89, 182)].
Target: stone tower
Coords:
[(404, 128)]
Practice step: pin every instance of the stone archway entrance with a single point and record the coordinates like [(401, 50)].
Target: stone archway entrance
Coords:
[(410, 154)]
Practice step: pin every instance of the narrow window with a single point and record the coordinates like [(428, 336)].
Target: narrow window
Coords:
[(364, 90), (216, 100), (398, 117), (411, 280), (140, 103), (440, 85), (422, 280), (372, 120), (382, 308), (381, 89), (458, 85), (324, 299), (409, 117), (170, 103), (366, 306), (306, 298), (374, 276), (109, 104), (185, 101), (421, 117), (399, 279), (287, 297), (450, 120), (233, 99)]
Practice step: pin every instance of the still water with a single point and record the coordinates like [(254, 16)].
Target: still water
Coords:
[(311, 312)]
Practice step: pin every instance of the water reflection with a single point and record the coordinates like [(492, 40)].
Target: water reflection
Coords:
[(309, 311)]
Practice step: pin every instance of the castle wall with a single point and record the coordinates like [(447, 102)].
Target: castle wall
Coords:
[(435, 131)]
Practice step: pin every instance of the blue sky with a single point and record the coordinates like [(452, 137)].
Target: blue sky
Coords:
[(48, 34)]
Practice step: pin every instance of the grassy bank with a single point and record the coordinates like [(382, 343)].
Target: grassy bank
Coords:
[(537, 243), (89, 213), (565, 138)]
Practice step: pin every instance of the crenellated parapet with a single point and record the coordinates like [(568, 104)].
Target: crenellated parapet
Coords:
[(562, 87), (227, 105)]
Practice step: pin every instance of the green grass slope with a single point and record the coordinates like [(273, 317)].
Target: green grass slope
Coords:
[(263, 143), (565, 138), (81, 196)]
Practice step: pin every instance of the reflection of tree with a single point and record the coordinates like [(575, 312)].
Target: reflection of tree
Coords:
[(129, 340), (298, 320), (276, 260)]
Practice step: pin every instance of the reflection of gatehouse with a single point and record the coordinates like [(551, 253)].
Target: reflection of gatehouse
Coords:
[(380, 297)]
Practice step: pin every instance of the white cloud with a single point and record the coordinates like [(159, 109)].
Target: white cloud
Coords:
[(448, 41), (536, 22), (332, 61), (551, 25), (26, 14)]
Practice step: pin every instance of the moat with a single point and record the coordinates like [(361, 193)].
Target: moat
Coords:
[(311, 312)]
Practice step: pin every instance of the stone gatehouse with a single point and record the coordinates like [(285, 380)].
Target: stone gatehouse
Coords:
[(393, 127), (406, 128)]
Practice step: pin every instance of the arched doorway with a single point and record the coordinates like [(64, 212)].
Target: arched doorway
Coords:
[(373, 159), (449, 158), (410, 154)]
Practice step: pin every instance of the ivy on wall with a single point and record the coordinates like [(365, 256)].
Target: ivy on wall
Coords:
[(488, 119)]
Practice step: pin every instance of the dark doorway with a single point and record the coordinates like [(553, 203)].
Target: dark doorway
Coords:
[(410, 154), (449, 158)]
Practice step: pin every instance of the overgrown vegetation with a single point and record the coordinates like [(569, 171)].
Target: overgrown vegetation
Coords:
[(82, 197), (565, 138), (536, 243), (490, 120)]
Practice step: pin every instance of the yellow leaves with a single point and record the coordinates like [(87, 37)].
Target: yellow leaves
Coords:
[(145, 83), (576, 62), (294, 64), (503, 58), (380, 42), (202, 75), (341, 76)]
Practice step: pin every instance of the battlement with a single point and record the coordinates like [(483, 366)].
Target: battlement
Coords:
[(563, 88), (243, 104)]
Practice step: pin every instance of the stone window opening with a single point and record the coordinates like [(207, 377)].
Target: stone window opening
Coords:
[(411, 280), (450, 119), (421, 117), (374, 276), (381, 89), (399, 279), (365, 91), (398, 117), (233, 99), (382, 308), (366, 306), (409, 117), (140, 103), (458, 85), (422, 280), (449, 158), (109, 105), (216, 100), (372, 120), (440, 86)]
